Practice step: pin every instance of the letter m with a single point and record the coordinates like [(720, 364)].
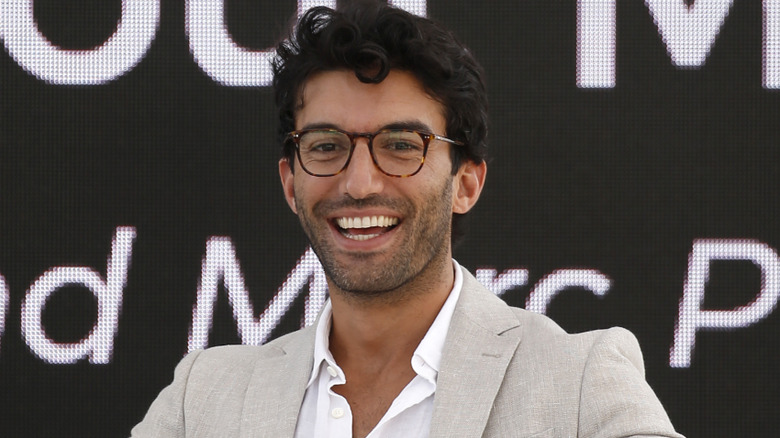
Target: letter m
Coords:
[(221, 264), (688, 31)]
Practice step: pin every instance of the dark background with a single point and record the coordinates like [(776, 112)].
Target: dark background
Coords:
[(621, 180)]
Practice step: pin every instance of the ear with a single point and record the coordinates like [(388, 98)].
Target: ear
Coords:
[(467, 185), (287, 176)]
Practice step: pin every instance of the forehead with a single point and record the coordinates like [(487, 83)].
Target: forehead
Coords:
[(339, 99)]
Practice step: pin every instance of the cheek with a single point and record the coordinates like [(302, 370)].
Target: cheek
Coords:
[(309, 189), (439, 161), (436, 173)]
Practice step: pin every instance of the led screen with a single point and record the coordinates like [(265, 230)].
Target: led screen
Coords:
[(633, 181)]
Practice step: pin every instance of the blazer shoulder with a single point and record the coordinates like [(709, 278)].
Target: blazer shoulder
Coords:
[(233, 357), (589, 383), (583, 384), (539, 335), (209, 387), (539, 329), (615, 398), (272, 348)]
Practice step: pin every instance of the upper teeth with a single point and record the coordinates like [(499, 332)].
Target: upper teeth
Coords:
[(366, 221)]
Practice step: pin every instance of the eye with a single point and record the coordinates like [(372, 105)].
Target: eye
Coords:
[(399, 142), (324, 142), (324, 147), (400, 145)]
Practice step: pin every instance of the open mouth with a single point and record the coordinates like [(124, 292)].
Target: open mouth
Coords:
[(364, 228)]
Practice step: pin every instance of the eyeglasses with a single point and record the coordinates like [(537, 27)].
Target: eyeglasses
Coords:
[(395, 152)]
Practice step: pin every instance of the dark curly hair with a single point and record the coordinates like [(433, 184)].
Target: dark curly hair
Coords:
[(372, 38)]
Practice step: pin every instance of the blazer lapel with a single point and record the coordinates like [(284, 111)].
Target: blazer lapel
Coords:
[(280, 382), (476, 354)]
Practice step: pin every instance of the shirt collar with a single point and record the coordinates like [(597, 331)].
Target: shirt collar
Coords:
[(426, 359), (431, 346), (322, 343)]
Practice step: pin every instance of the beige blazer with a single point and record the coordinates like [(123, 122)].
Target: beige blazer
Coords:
[(505, 372)]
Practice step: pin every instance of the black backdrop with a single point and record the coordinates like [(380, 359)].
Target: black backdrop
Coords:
[(613, 183)]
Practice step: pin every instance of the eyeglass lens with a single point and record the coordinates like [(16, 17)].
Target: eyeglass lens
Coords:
[(396, 152)]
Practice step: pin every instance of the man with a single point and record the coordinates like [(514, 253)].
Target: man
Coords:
[(383, 116)]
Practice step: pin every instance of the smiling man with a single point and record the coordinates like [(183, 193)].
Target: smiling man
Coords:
[(383, 120)]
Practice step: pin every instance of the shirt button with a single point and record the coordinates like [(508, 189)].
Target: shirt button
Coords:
[(332, 371), (337, 413)]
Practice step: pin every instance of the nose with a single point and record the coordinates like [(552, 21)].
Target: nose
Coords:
[(361, 178)]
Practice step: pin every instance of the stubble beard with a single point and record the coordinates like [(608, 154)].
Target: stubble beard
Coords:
[(425, 247)]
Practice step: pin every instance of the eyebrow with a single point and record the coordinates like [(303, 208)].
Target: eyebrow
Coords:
[(414, 125)]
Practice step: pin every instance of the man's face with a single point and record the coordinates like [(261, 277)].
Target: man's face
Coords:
[(372, 232)]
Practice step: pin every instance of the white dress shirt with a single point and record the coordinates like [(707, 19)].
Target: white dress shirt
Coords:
[(324, 413)]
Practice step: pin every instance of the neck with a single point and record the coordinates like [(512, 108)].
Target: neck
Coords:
[(387, 328)]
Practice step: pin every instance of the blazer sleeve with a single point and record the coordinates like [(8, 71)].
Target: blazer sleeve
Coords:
[(165, 417), (615, 399)]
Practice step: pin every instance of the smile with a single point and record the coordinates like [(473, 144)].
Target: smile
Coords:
[(364, 228)]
